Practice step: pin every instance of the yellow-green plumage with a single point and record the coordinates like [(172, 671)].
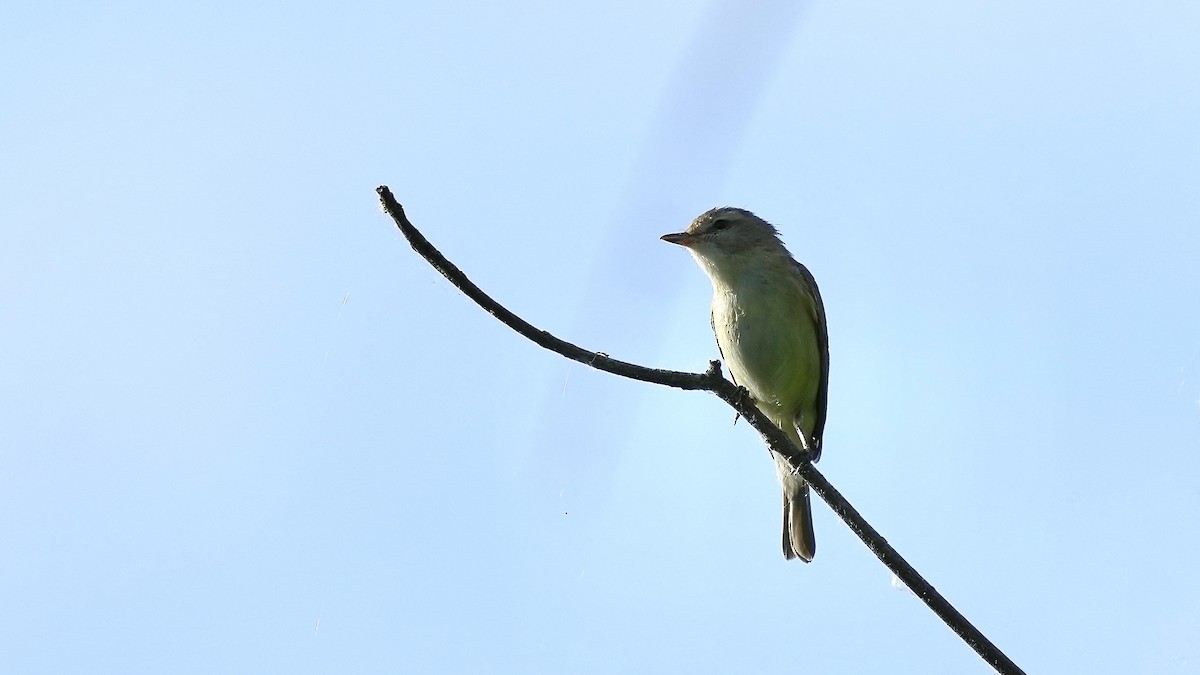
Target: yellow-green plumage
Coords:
[(769, 323)]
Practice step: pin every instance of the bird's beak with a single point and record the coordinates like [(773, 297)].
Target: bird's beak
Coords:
[(681, 238)]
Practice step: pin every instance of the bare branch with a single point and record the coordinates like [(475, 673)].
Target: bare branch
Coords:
[(712, 381)]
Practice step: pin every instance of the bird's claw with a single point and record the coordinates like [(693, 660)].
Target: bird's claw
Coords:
[(743, 398)]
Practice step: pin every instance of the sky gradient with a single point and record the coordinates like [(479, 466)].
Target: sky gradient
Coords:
[(245, 429)]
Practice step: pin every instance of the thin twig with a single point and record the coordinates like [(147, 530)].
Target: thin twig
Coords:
[(712, 380)]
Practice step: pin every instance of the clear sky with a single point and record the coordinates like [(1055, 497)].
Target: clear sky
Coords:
[(245, 429)]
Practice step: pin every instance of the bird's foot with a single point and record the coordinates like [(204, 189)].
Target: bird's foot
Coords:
[(743, 399)]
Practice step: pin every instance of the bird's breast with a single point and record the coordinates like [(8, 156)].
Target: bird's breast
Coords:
[(770, 347)]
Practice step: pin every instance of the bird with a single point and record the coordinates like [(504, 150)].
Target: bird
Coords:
[(770, 326)]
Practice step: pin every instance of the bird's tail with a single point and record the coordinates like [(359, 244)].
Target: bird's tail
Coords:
[(799, 539)]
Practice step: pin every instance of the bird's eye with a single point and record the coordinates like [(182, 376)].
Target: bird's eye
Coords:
[(721, 224)]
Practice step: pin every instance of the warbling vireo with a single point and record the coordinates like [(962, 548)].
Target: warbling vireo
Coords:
[(770, 327)]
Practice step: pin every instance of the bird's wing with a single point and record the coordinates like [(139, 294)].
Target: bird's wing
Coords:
[(817, 312)]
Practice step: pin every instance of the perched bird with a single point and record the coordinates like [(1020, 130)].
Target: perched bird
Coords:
[(770, 326)]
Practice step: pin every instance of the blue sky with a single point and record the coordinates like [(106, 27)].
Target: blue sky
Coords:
[(243, 428)]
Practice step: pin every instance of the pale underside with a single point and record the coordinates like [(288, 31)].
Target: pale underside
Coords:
[(771, 336)]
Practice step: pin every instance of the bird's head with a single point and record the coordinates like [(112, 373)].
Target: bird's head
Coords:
[(727, 238)]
